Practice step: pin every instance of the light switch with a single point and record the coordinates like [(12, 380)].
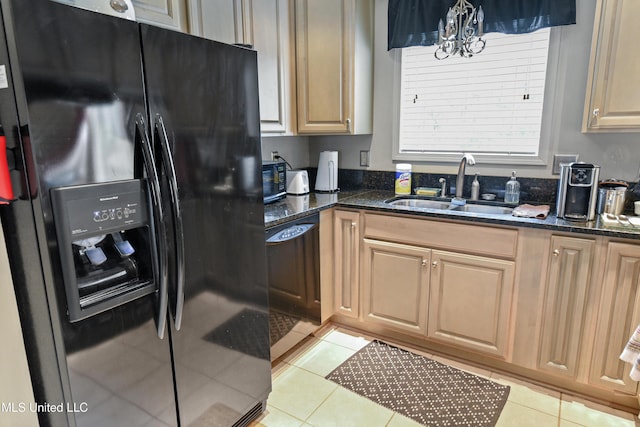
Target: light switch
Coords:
[(562, 158)]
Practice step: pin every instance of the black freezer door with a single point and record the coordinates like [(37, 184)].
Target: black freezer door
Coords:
[(206, 95), (79, 86)]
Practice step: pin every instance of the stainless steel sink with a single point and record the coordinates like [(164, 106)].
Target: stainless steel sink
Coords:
[(488, 209), (437, 204), (419, 203)]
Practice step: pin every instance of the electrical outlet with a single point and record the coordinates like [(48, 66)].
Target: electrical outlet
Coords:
[(364, 158), (273, 155), (562, 158)]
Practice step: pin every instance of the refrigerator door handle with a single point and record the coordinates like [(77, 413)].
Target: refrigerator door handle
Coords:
[(159, 226), (170, 171)]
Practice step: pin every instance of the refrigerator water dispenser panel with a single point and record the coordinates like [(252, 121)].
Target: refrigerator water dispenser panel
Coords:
[(106, 243)]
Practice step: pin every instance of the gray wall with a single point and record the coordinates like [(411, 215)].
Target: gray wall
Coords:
[(15, 387), (295, 149), (617, 154)]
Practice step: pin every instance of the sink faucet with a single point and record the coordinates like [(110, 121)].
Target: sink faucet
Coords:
[(466, 158)]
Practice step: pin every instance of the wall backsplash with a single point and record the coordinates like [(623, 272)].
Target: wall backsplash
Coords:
[(534, 190)]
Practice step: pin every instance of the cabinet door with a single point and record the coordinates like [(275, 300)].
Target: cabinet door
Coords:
[(395, 285), (333, 47), (163, 13), (613, 100), (618, 316), (220, 20), (470, 302), (564, 305), (346, 262), (272, 31)]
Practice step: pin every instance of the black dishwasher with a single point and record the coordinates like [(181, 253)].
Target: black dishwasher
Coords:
[(294, 274)]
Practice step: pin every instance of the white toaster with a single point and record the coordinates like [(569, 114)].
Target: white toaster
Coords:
[(297, 182)]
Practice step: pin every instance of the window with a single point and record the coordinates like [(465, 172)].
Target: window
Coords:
[(490, 105)]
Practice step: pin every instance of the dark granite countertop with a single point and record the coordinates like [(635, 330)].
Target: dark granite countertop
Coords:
[(293, 207)]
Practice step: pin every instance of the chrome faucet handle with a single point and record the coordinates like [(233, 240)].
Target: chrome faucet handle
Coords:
[(470, 160), (443, 185)]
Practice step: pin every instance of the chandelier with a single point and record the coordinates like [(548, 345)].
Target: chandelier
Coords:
[(463, 32)]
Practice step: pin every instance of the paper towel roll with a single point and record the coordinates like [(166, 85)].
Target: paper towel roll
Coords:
[(327, 178)]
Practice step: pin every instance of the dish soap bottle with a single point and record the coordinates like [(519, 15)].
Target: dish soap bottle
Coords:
[(512, 190), (475, 188)]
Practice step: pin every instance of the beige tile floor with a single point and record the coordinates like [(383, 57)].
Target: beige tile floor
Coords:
[(301, 395)]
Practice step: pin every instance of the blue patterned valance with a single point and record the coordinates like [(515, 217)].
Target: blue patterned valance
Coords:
[(415, 22)]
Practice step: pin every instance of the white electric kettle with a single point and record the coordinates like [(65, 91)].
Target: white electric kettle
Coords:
[(327, 178)]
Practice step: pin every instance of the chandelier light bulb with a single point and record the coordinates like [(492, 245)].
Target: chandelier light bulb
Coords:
[(480, 21)]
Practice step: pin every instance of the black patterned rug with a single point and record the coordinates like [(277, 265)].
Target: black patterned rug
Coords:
[(280, 324), (422, 389), (245, 332)]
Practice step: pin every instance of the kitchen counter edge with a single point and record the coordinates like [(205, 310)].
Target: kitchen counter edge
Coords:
[(294, 207)]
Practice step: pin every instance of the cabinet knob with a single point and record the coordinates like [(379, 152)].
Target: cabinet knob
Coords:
[(594, 117), (556, 252), (353, 225), (434, 264), (348, 125)]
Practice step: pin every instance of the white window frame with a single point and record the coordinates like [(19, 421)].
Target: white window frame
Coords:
[(549, 125)]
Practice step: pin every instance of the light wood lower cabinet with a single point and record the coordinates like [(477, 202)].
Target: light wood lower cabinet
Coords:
[(418, 277), (618, 317), (395, 287), (549, 305), (470, 301), (346, 263), (565, 305)]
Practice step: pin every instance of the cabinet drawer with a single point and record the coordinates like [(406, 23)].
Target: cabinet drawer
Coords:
[(476, 239)]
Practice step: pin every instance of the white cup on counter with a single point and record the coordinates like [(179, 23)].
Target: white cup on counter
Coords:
[(636, 207)]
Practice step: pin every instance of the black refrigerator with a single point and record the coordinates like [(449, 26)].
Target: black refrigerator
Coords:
[(136, 237)]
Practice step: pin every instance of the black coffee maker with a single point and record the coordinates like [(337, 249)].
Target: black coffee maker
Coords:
[(577, 191)]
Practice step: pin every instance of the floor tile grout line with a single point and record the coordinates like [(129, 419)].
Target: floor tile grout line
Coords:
[(344, 346), (537, 410), (306, 421), (337, 386), (321, 403), (289, 415)]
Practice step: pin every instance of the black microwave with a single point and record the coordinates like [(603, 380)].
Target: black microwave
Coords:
[(274, 181)]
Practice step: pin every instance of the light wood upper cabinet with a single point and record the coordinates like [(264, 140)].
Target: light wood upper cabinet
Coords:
[(220, 20), (267, 26), (613, 92), (470, 301), (334, 66), (395, 285), (164, 13), (618, 317), (347, 263), (564, 310), (272, 32)]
